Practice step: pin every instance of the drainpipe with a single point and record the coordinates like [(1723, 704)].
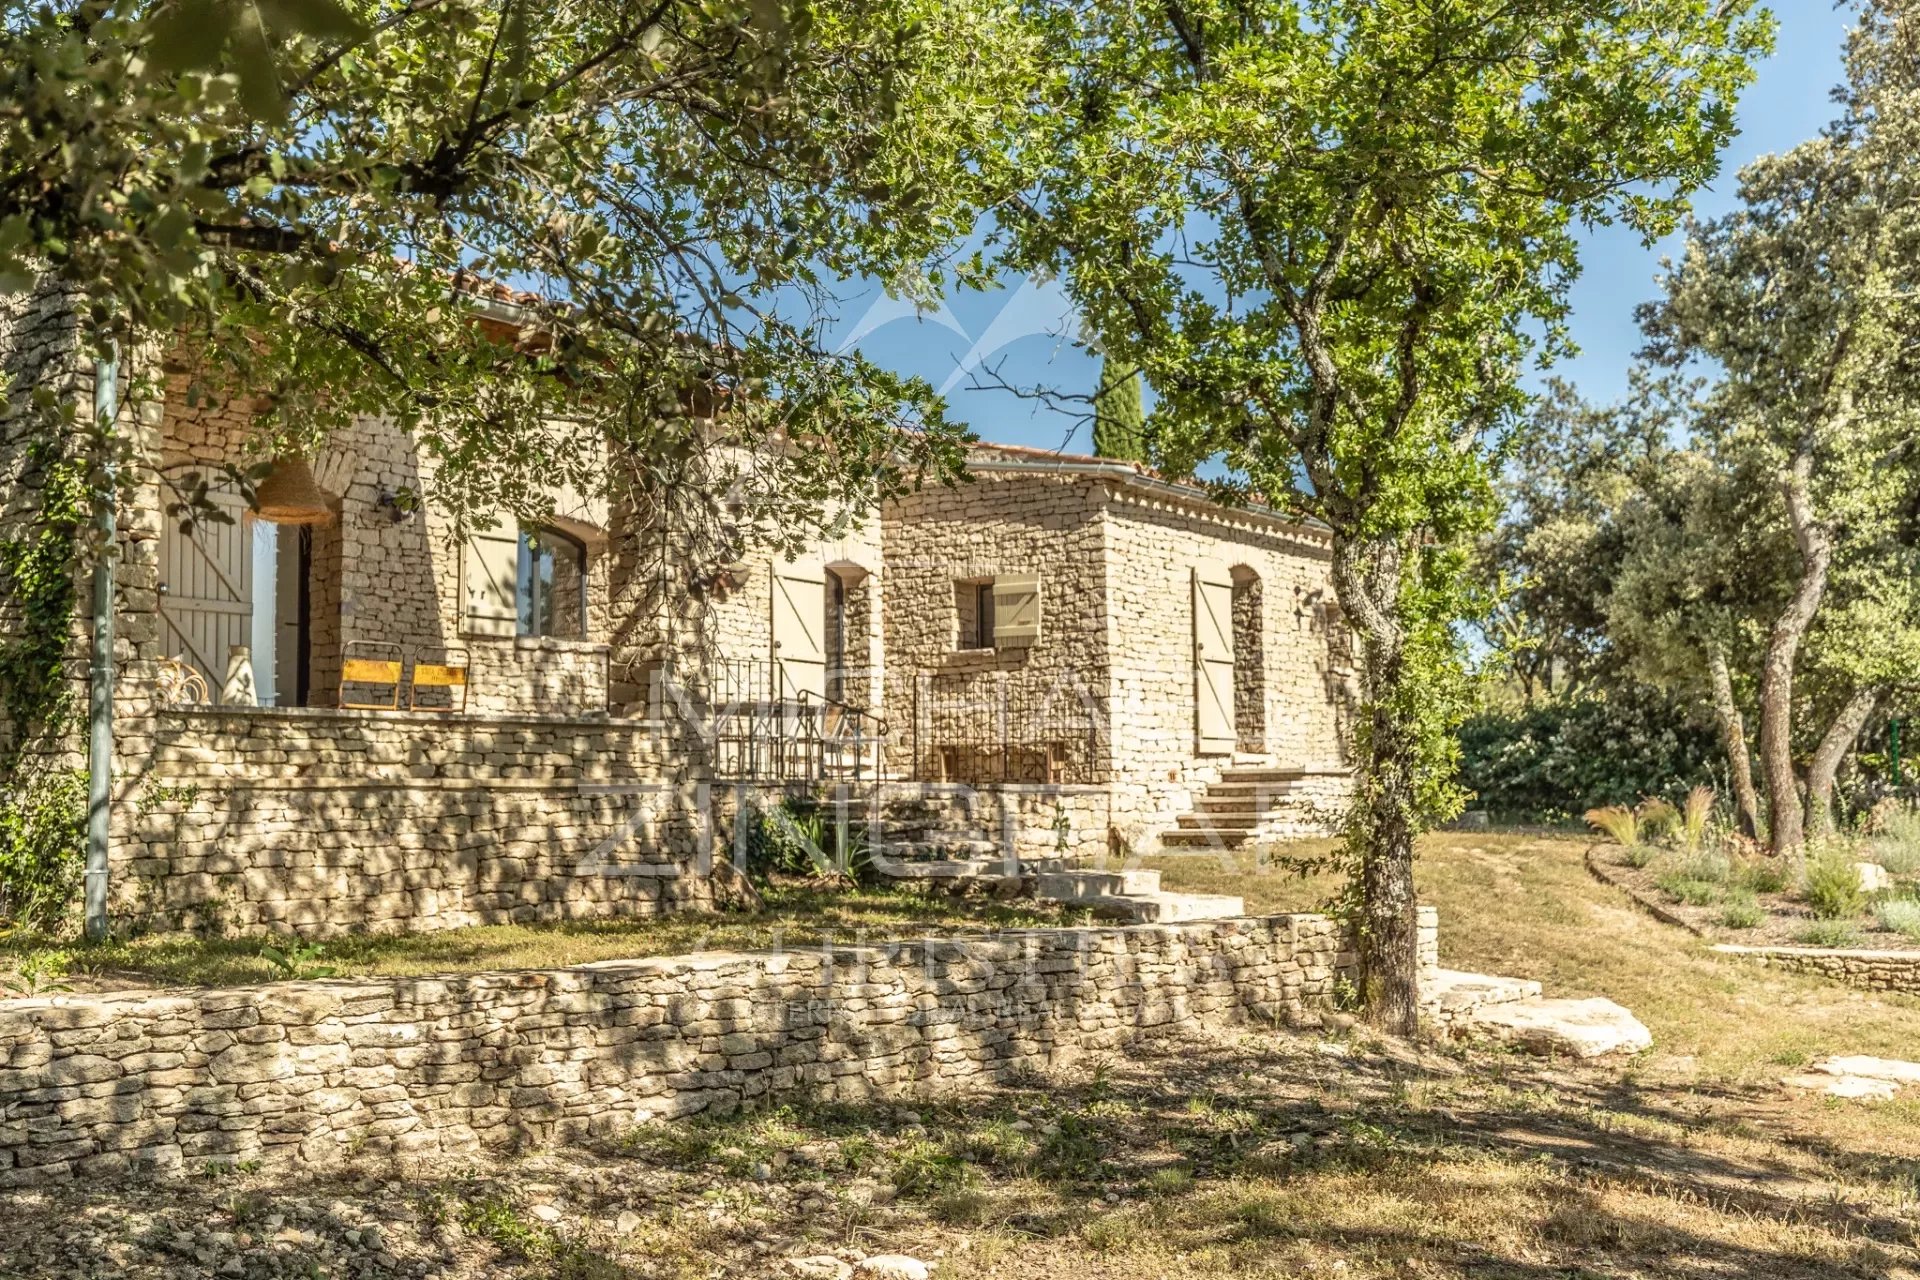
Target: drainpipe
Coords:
[(106, 372)]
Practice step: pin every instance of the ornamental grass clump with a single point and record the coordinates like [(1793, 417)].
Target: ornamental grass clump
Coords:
[(1896, 843), (1694, 816), (1658, 819), (1618, 822)]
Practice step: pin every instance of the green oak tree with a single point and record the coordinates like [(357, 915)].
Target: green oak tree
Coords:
[(1804, 305), (313, 198), (1331, 233)]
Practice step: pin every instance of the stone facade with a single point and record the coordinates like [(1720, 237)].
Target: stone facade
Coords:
[(299, 1072), (1115, 551)]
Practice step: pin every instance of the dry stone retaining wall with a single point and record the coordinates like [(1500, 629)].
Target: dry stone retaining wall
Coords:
[(303, 1071), (1874, 970), (326, 821)]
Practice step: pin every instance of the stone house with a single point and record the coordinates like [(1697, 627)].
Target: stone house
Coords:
[(540, 720), (1162, 669)]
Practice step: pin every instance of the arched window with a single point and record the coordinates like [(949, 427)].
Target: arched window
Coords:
[(550, 593)]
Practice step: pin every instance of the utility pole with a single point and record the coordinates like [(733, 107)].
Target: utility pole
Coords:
[(106, 411)]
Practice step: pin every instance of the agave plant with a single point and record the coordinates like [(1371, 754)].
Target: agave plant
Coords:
[(1618, 821), (1693, 817)]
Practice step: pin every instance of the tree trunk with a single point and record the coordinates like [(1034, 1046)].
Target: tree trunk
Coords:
[(1733, 736), (1366, 577), (1839, 739), (1785, 814)]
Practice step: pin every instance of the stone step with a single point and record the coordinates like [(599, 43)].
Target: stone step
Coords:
[(1452, 996), (1264, 773), (1577, 1028), (1248, 792), (1072, 886), (935, 849), (949, 869), (1204, 838), (1166, 908), (1224, 818)]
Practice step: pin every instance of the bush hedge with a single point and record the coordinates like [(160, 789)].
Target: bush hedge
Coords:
[(1548, 762)]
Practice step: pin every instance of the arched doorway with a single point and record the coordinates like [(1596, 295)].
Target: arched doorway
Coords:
[(1249, 661)]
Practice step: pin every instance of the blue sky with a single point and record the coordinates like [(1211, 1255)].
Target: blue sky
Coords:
[(1024, 333)]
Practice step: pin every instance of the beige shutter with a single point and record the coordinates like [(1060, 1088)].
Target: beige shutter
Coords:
[(206, 603), (490, 575), (1016, 610), (799, 630), (1213, 658)]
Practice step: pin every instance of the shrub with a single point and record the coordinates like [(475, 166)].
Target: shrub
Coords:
[(1709, 865), (788, 840), (1828, 933), (1681, 887), (1759, 875), (1642, 855), (43, 841), (1694, 816), (1619, 822), (1899, 915), (1741, 912), (1896, 840), (1832, 888), (1547, 762)]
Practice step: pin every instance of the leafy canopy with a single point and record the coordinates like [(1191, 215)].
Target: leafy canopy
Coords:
[(670, 183), (1331, 231)]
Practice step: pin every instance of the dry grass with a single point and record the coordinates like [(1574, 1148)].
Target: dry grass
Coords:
[(796, 914), (1260, 1154), (1527, 906)]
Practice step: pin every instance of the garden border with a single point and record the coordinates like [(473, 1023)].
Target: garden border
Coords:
[(1874, 969)]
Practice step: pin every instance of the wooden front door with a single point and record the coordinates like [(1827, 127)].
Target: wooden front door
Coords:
[(206, 596), (1213, 658), (799, 630)]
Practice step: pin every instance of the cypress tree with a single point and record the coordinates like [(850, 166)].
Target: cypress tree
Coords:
[(1119, 416)]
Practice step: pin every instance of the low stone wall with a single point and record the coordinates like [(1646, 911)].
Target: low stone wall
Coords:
[(1874, 970), (304, 1071), (323, 821)]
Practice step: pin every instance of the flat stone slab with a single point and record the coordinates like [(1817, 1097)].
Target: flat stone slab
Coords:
[(1861, 1088), (1579, 1028), (1893, 1069), (1451, 994)]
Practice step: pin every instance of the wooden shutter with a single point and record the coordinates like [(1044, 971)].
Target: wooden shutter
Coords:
[(207, 604), (490, 573), (799, 630), (1016, 610), (1213, 658)]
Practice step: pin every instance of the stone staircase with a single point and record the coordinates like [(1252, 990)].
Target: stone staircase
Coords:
[(1255, 801), (937, 846), (1134, 896)]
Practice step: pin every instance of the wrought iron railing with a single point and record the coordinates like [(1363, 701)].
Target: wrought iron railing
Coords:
[(764, 730), (991, 727)]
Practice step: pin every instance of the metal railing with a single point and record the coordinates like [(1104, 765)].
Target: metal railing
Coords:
[(764, 730), (988, 728)]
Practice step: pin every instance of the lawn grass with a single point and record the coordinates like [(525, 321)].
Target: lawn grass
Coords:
[(1526, 906), (795, 914), (1244, 1153)]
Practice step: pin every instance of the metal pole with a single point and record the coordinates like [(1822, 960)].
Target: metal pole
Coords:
[(106, 373)]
